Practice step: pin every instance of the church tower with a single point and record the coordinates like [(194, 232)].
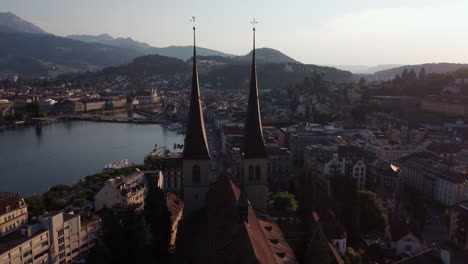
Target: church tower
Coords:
[(254, 156), (196, 155)]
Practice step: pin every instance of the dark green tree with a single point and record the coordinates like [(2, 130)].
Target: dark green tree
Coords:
[(35, 205), (404, 75), (422, 75), (374, 217), (158, 218), (345, 191), (126, 239), (316, 249), (412, 76), (352, 257), (283, 201)]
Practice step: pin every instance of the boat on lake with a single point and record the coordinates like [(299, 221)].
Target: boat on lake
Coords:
[(175, 126)]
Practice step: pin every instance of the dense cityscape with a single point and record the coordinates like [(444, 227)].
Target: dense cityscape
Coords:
[(282, 162)]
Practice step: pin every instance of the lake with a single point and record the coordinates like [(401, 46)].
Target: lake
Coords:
[(34, 158)]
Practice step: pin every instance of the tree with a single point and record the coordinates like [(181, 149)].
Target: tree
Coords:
[(362, 82), (404, 75), (315, 249), (125, 239), (344, 190), (374, 217), (158, 218), (283, 201), (422, 75), (412, 76), (35, 205), (352, 257)]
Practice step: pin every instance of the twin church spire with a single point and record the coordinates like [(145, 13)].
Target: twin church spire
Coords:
[(196, 144)]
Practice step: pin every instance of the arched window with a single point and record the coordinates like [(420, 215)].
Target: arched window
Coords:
[(196, 173), (257, 173), (251, 173)]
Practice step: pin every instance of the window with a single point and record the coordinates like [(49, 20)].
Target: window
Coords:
[(196, 173), (251, 173), (258, 175)]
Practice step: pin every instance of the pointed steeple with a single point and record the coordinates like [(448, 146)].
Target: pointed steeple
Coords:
[(254, 145), (195, 145)]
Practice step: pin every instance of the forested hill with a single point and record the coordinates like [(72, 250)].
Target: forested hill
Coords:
[(44, 54), (231, 74), (429, 67), (145, 66)]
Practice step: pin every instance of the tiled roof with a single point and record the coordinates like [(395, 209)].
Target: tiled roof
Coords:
[(430, 256), (14, 202), (216, 234)]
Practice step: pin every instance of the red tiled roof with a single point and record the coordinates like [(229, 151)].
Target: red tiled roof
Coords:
[(216, 234)]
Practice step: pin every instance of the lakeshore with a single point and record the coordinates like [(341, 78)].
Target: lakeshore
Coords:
[(34, 158)]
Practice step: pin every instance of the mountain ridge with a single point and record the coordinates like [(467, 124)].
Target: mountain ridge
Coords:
[(441, 67), (10, 22), (180, 52)]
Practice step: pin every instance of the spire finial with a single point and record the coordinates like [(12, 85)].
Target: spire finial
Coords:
[(253, 22), (193, 22)]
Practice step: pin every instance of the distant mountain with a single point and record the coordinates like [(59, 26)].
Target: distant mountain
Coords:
[(49, 55), (429, 67), (268, 55), (126, 43), (9, 22), (365, 69), (180, 52)]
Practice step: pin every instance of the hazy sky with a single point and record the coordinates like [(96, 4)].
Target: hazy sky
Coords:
[(333, 32)]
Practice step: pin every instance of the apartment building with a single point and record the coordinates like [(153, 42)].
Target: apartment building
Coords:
[(127, 191), (171, 166), (449, 105), (70, 235), (55, 238), (13, 212), (434, 177), (30, 245), (458, 233)]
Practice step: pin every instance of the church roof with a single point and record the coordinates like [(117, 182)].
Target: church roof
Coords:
[(195, 144), (217, 235), (254, 145)]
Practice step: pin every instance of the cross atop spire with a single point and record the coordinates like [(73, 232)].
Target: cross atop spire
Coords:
[(253, 22), (195, 144)]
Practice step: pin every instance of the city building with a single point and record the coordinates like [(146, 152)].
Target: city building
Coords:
[(458, 233), (13, 212), (70, 235), (449, 105), (434, 178), (404, 236), (30, 245), (68, 107), (127, 191), (147, 96), (55, 238), (170, 163), (280, 164), (6, 108)]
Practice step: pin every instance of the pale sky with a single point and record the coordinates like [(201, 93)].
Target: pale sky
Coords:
[(331, 32)]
